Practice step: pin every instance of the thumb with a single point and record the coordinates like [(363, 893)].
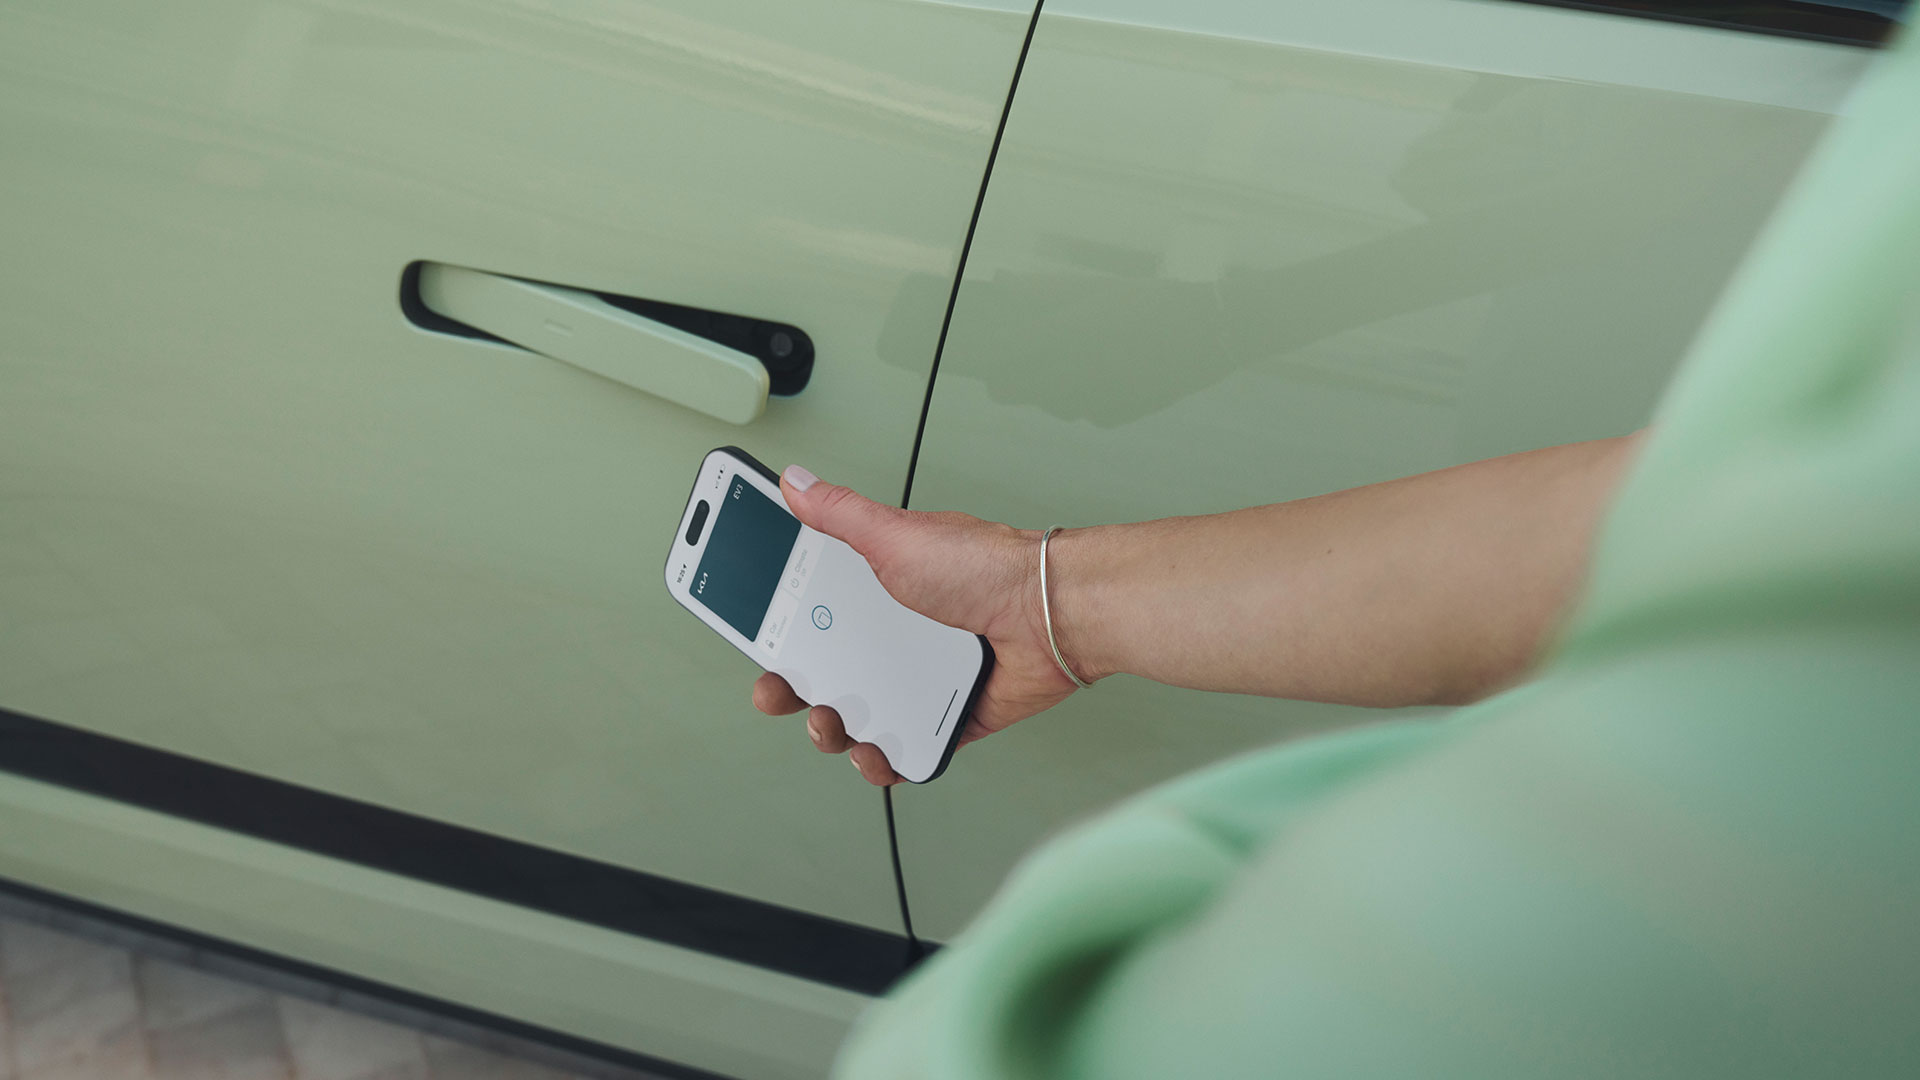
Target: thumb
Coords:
[(841, 513)]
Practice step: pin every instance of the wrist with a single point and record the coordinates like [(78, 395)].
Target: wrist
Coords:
[(1072, 585)]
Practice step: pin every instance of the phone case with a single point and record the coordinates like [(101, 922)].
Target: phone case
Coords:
[(821, 619)]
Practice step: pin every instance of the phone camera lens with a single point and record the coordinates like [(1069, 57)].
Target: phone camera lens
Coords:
[(699, 522)]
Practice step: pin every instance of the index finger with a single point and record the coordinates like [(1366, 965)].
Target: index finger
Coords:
[(772, 695)]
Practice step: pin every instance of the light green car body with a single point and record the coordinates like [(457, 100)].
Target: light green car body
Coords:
[(1230, 252)]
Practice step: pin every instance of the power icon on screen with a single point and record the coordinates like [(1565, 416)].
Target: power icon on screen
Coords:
[(822, 618)]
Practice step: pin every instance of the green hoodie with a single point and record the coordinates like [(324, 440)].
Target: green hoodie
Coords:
[(1689, 848)]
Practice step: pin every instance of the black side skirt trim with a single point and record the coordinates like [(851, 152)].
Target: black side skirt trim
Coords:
[(793, 942), (285, 975)]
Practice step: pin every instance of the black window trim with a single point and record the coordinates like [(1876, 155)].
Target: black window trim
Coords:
[(1781, 18)]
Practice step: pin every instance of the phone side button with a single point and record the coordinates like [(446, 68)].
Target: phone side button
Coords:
[(951, 698)]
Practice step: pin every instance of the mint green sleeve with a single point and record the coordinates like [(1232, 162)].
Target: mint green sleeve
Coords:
[(1690, 848)]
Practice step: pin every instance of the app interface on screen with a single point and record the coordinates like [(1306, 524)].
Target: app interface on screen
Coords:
[(745, 557)]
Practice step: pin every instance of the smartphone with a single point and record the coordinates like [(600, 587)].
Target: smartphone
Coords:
[(808, 608)]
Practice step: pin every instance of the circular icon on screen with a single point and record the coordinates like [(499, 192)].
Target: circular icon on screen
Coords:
[(822, 618)]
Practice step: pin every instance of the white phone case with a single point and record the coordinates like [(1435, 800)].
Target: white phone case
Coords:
[(898, 679)]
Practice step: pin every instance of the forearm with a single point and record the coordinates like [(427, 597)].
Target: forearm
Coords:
[(1437, 588)]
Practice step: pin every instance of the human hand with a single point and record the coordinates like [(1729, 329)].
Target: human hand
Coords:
[(954, 568)]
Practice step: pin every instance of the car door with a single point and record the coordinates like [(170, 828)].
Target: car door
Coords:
[(1233, 254), (373, 599)]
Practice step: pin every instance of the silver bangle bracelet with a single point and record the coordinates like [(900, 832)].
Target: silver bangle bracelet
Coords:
[(1046, 611)]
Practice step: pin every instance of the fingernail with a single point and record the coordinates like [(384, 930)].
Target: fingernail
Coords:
[(800, 478), (813, 732)]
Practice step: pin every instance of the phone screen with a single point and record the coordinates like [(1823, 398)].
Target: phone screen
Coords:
[(745, 555)]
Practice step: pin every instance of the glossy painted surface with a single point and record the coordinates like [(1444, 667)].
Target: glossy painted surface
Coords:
[(674, 1004), (1234, 253), (250, 514)]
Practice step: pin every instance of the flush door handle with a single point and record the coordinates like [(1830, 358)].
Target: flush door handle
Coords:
[(579, 328)]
